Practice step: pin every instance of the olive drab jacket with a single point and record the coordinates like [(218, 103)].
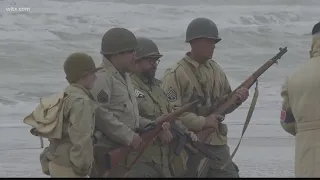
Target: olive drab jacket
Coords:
[(300, 114), (75, 147), (152, 103), (118, 115), (188, 81)]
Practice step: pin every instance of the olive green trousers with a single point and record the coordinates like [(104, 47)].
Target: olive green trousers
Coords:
[(213, 167)]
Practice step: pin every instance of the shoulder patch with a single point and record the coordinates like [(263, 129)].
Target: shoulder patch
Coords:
[(102, 97), (283, 115), (287, 117), (138, 93), (171, 95)]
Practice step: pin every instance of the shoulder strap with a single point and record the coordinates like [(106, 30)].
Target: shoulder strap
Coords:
[(192, 77)]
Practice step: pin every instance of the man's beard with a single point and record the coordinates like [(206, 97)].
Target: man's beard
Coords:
[(149, 75)]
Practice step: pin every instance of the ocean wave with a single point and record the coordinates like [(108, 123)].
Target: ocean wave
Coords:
[(159, 20), (34, 44), (17, 108)]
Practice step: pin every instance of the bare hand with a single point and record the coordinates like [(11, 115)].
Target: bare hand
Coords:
[(166, 126), (213, 120), (242, 94), (165, 137), (137, 142), (193, 136)]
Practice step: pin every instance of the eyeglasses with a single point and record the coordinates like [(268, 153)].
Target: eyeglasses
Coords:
[(154, 61)]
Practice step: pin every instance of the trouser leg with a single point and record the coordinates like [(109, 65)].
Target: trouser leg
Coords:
[(223, 152)]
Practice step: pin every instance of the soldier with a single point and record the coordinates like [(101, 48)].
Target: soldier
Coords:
[(72, 155), (159, 159), (300, 114), (118, 116), (196, 75)]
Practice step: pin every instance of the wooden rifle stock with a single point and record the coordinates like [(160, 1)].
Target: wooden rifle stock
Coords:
[(150, 133), (222, 109)]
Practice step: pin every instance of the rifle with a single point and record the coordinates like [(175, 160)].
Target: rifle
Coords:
[(149, 134), (184, 140), (222, 109)]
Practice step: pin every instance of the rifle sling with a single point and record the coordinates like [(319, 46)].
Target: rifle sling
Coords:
[(191, 76), (249, 115), (250, 112)]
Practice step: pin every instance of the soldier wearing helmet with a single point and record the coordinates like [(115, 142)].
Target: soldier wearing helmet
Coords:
[(159, 159), (71, 155), (118, 116), (197, 75)]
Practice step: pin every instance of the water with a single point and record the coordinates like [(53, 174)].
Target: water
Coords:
[(35, 43)]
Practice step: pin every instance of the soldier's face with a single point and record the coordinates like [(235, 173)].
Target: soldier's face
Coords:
[(148, 66), (88, 80), (129, 59), (204, 47)]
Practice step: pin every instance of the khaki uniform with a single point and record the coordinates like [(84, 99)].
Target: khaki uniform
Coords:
[(185, 83), (300, 114), (118, 115), (152, 103), (72, 155)]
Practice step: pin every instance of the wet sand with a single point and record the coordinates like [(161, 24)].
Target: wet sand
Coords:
[(256, 157)]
